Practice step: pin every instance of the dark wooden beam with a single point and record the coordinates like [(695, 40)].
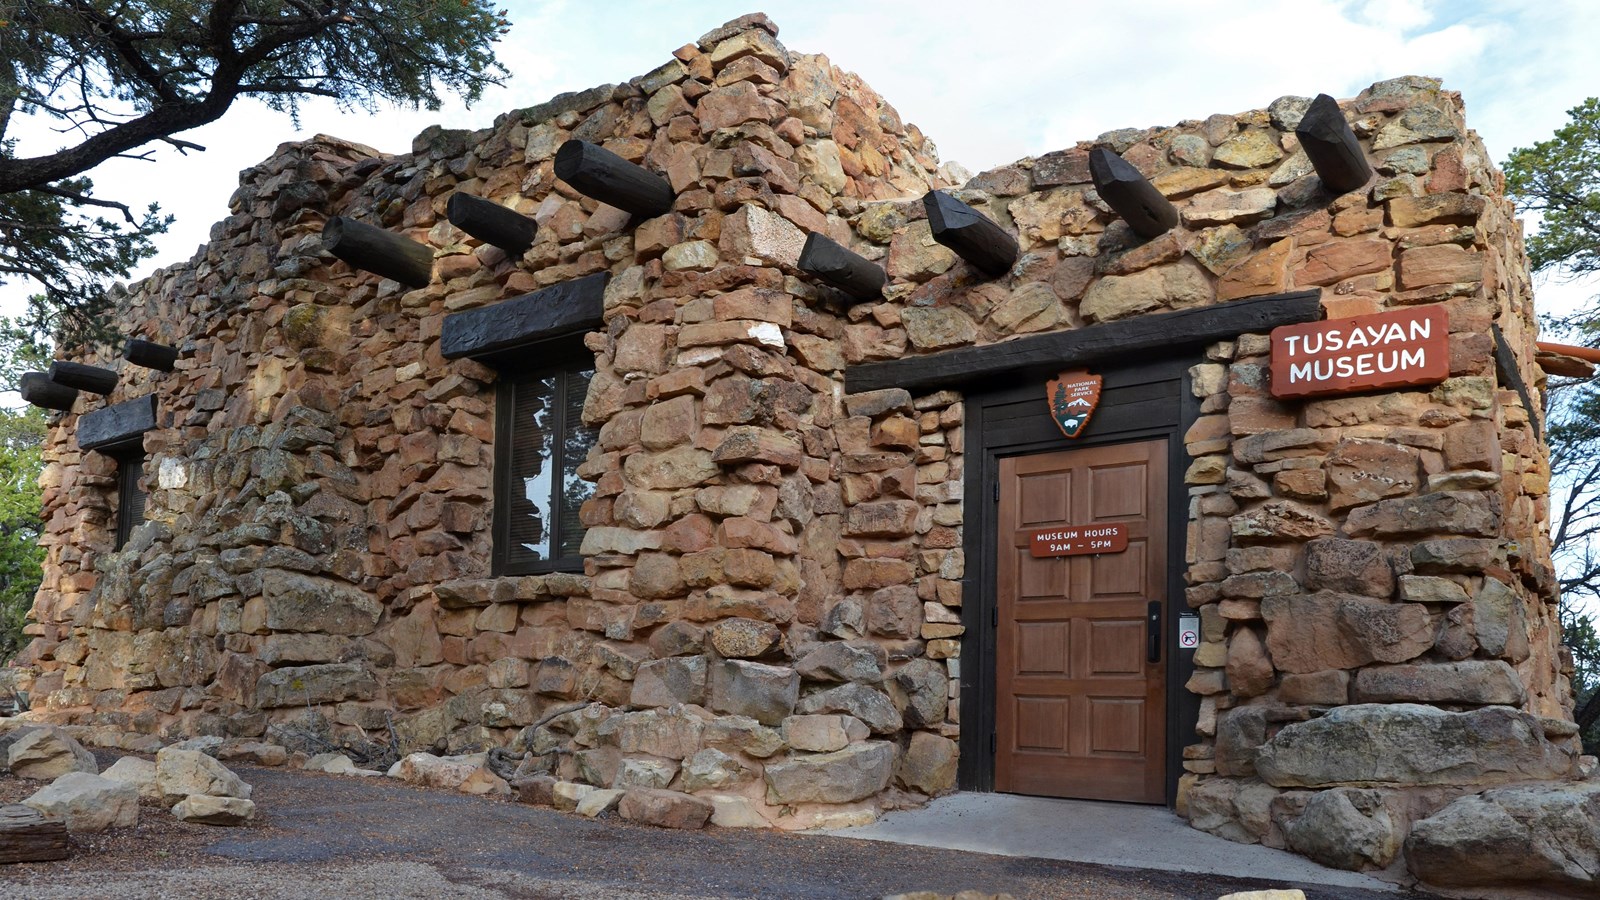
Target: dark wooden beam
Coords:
[(93, 379), (150, 355), (850, 272), (501, 333), (597, 172), (972, 235), (492, 223), (1045, 355), (379, 252), (1130, 194), (117, 425), (1505, 367), (38, 389), (1332, 147)]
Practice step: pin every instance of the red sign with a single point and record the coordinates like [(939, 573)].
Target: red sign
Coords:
[(1072, 397), (1361, 353), (1077, 540)]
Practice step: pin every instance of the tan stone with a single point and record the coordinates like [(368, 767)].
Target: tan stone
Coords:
[(1166, 287)]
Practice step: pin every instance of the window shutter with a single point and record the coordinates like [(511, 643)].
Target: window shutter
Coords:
[(130, 496)]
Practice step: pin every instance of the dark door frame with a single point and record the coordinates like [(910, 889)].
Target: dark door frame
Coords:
[(1156, 403)]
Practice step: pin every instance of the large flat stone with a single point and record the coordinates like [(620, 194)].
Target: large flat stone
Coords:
[(1411, 744), (843, 776), (1545, 836)]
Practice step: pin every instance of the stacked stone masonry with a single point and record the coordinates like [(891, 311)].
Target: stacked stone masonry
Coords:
[(771, 598)]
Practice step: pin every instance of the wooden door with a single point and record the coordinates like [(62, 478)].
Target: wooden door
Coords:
[(1080, 706)]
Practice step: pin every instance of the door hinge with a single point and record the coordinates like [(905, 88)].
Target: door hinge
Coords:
[(994, 743)]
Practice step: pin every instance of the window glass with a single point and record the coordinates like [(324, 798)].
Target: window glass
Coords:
[(539, 492)]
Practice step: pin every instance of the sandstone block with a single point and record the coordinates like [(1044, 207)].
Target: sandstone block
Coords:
[(141, 773), (88, 803), (1346, 829), (1472, 681), (665, 809), (46, 753), (1355, 567), (1165, 287), (929, 764), (1313, 632), (180, 773), (711, 768), (665, 682), (740, 638), (327, 683), (1328, 688), (762, 692), (1447, 512), (844, 776), (1545, 836), (861, 661), (868, 704), (937, 327), (1410, 744), (208, 810), (296, 602), (1362, 472)]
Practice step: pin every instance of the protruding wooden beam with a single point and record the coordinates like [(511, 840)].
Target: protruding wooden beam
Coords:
[(972, 235), (118, 425), (379, 252), (1332, 147), (492, 223), (850, 272), (1132, 195), (150, 355), (597, 172), (38, 389), (85, 378)]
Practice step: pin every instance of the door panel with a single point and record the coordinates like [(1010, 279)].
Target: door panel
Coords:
[(1080, 711)]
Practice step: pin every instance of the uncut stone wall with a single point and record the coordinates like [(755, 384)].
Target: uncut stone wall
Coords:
[(771, 603), (316, 560)]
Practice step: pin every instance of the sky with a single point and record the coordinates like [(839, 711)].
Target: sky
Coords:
[(989, 82)]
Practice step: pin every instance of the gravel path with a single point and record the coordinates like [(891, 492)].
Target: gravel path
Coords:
[(322, 836)]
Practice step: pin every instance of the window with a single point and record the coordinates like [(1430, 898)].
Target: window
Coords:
[(540, 441), (130, 496)]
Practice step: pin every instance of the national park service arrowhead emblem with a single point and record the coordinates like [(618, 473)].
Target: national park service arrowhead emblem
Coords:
[(1073, 397)]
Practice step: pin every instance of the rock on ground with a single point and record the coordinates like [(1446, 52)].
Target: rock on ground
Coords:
[(87, 802), (1546, 836), (208, 810), (141, 773), (180, 773), (46, 753)]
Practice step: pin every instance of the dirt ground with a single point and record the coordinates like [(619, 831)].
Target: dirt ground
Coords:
[(320, 836)]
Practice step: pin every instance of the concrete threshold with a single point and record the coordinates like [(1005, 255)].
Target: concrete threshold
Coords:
[(1110, 834)]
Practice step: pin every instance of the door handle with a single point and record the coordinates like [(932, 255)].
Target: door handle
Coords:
[(1152, 621)]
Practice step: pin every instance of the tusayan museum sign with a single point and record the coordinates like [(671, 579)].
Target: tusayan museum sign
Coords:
[(1361, 353)]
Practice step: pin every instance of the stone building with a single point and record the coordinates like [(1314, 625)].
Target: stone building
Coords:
[(654, 506)]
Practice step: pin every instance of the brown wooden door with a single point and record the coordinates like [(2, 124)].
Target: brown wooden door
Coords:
[(1080, 710)]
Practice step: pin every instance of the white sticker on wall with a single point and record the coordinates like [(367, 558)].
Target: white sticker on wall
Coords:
[(1188, 631)]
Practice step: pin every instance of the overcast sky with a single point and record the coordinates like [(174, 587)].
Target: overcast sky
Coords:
[(990, 81)]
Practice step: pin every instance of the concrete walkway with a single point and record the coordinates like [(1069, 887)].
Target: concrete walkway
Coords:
[(1111, 834)]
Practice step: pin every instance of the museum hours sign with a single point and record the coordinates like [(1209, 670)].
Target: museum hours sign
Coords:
[(1362, 353)]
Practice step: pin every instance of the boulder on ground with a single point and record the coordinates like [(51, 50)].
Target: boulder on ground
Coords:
[(667, 809), (46, 753), (207, 744), (88, 802), (180, 773), (141, 773), (1545, 836), (736, 812), (929, 764), (205, 809), (332, 763), (598, 801)]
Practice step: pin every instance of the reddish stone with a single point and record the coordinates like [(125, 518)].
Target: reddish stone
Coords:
[(1343, 259)]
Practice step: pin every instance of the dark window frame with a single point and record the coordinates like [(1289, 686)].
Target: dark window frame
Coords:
[(563, 364), (130, 495)]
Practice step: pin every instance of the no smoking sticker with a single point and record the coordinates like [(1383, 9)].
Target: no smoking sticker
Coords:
[(1188, 632)]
